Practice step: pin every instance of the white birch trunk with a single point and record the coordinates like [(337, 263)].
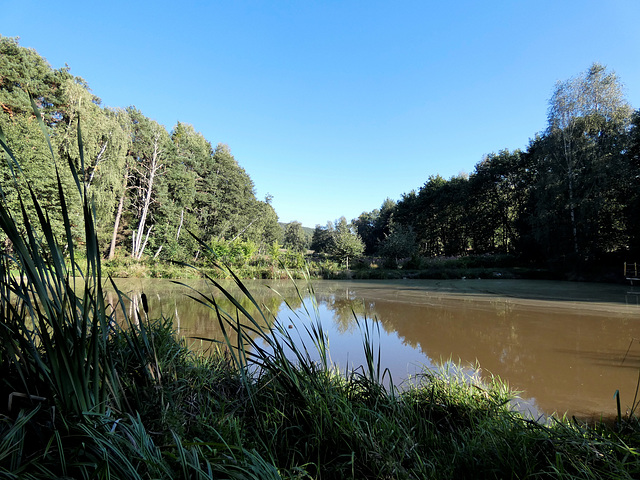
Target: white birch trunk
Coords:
[(180, 226), (154, 166), (116, 226)]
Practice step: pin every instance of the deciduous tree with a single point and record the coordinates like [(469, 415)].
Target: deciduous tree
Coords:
[(345, 243), (294, 237), (150, 144), (588, 115)]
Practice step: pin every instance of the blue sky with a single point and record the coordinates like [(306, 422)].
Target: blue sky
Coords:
[(333, 106)]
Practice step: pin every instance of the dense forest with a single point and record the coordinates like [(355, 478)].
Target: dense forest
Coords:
[(150, 187), (571, 197)]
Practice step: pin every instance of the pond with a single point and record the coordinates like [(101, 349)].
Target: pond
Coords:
[(566, 346)]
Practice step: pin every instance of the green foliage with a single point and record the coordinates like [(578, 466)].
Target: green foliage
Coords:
[(338, 239), (55, 343), (234, 192), (294, 237), (448, 424), (345, 243), (321, 239), (570, 197), (441, 222), (26, 73), (292, 259), (500, 189), (365, 225), (264, 228), (632, 205), (274, 251), (374, 226), (235, 253), (400, 243), (585, 171), (105, 141), (148, 187), (41, 176)]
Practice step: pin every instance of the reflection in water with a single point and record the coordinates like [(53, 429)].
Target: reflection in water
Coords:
[(567, 347)]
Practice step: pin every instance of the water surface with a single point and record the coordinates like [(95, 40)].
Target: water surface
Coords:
[(567, 346)]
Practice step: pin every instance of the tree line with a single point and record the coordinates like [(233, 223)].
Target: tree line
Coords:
[(573, 195), (151, 188)]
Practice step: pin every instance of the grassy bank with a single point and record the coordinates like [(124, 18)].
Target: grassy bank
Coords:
[(298, 266), (287, 265), (88, 391), (325, 268)]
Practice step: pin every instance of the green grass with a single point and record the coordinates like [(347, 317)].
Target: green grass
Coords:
[(97, 394), (263, 267)]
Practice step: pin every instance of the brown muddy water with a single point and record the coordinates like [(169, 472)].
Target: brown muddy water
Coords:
[(566, 346)]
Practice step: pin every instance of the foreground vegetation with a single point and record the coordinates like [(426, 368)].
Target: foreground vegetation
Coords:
[(91, 392)]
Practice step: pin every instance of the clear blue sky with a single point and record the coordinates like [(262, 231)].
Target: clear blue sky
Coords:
[(332, 106)]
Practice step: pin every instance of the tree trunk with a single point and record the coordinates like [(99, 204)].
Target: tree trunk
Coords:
[(569, 156), (116, 226), (180, 226), (95, 166), (144, 244), (572, 209), (154, 166)]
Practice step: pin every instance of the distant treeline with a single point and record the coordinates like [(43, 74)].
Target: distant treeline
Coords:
[(572, 196), (150, 187)]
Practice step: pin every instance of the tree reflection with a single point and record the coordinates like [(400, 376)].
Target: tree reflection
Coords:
[(194, 319), (346, 307)]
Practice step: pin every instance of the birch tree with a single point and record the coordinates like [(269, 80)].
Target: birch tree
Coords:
[(149, 143), (586, 114), (106, 139), (176, 193)]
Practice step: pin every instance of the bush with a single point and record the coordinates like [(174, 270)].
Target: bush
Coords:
[(236, 253)]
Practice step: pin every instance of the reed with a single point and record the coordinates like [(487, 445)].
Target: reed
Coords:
[(55, 341)]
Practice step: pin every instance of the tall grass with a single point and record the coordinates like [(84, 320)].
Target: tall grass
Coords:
[(54, 339), (96, 394)]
